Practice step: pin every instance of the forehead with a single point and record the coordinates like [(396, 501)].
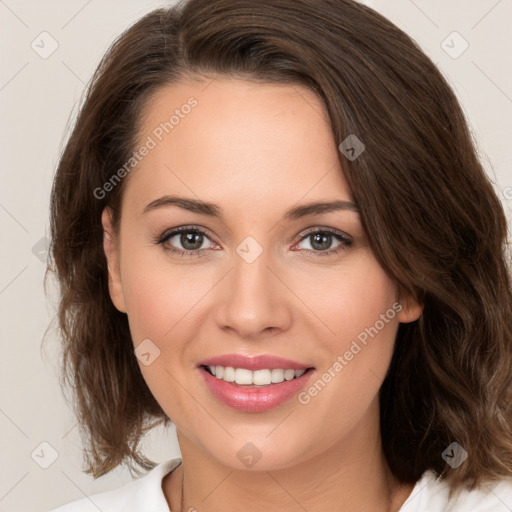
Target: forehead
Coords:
[(227, 139)]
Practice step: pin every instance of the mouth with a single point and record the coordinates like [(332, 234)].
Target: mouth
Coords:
[(254, 378), (254, 390)]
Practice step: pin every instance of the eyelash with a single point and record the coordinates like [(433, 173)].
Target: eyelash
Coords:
[(167, 235)]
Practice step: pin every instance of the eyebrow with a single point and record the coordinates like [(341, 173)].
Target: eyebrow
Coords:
[(214, 210)]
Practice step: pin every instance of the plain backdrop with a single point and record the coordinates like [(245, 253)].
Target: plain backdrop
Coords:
[(49, 50)]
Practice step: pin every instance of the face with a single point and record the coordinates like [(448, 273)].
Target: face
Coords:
[(247, 278)]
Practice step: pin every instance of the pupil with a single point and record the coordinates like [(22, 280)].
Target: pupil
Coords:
[(323, 240), (187, 238)]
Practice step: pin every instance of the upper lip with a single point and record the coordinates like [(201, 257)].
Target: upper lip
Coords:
[(253, 363)]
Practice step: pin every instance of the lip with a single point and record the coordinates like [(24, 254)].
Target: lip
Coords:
[(261, 362), (254, 398)]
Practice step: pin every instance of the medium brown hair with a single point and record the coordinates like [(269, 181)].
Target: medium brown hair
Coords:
[(432, 218)]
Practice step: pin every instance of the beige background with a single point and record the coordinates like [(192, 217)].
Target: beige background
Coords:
[(38, 98)]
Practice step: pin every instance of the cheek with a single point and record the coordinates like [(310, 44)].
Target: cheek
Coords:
[(160, 306), (159, 293), (359, 306), (349, 299)]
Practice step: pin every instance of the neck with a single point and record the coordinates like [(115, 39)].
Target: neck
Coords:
[(352, 476)]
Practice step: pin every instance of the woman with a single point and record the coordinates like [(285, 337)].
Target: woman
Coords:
[(270, 227)]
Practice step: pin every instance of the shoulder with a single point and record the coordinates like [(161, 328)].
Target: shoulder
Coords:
[(142, 494), (431, 495)]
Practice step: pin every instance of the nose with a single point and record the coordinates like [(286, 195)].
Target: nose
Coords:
[(254, 299)]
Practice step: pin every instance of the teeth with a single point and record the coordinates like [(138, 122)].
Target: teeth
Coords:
[(244, 377)]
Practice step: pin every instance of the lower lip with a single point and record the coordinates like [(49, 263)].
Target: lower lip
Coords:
[(254, 398)]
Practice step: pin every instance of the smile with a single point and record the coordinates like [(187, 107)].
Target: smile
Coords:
[(254, 391), (244, 377)]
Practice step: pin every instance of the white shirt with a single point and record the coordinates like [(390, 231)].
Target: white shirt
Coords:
[(145, 494)]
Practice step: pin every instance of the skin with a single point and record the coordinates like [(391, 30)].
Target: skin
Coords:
[(257, 150)]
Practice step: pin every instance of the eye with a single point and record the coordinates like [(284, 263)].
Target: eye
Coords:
[(320, 241), (192, 241), (190, 238)]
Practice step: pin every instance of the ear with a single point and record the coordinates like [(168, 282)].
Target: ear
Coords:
[(111, 248), (411, 307)]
